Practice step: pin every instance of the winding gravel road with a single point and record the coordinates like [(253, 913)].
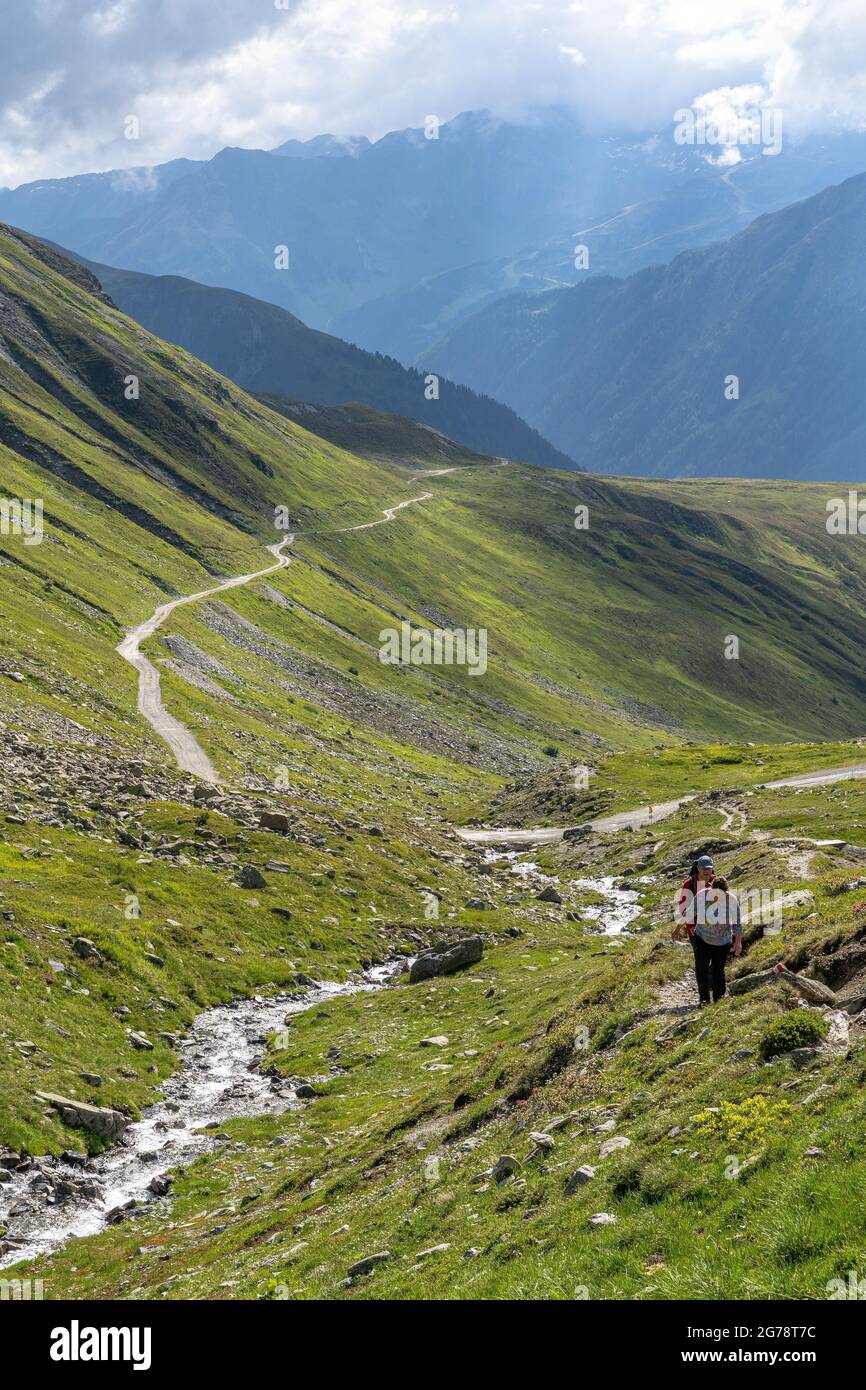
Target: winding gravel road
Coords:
[(547, 835), (188, 752), (820, 779)]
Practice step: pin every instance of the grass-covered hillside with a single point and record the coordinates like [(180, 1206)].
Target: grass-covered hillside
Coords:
[(264, 348), (567, 1077), (133, 898), (376, 434)]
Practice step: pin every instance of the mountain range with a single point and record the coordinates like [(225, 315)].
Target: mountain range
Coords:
[(740, 359), (267, 350), (391, 243)]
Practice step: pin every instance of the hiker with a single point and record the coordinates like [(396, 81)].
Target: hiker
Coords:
[(710, 913)]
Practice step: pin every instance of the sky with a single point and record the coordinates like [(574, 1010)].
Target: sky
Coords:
[(197, 75)]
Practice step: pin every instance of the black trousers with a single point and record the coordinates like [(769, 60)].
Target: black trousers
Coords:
[(709, 968)]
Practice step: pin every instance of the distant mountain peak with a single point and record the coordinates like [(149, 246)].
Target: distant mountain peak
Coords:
[(323, 147)]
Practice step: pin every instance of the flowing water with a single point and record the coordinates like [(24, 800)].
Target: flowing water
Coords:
[(218, 1080), (612, 917)]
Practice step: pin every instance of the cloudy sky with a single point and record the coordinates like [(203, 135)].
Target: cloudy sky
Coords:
[(201, 74)]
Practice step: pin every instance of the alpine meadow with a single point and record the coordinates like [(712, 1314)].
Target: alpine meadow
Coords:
[(432, 683)]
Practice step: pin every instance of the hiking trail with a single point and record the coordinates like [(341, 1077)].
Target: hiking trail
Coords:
[(188, 752)]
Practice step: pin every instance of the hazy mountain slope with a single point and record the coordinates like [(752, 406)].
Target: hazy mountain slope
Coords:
[(489, 205), (629, 375), (265, 349), (374, 434)]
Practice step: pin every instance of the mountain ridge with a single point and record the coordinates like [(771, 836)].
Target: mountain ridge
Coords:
[(632, 373), (268, 351)]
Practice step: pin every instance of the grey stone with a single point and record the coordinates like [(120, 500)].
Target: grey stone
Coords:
[(611, 1146), (582, 1175), (368, 1263), (109, 1124), (541, 1140), (504, 1167), (446, 958), (549, 895), (85, 948), (251, 877)]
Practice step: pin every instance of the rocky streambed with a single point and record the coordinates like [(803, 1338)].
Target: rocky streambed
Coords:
[(611, 917), (47, 1201)]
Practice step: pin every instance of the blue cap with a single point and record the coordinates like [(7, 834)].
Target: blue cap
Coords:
[(705, 862)]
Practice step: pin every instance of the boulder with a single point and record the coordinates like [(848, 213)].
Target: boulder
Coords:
[(368, 1263), (577, 832), (504, 1167), (108, 1124), (811, 990), (611, 1146), (549, 895), (275, 820), (445, 958), (541, 1140), (251, 877), (582, 1175), (85, 948)]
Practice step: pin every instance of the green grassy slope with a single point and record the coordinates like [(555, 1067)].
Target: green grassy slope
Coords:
[(605, 645), (741, 1178), (265, 349)]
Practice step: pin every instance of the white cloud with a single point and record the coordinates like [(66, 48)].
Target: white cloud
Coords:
[(200, 74)]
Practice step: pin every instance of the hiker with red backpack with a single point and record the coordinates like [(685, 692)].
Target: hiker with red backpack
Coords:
[(710, 915)]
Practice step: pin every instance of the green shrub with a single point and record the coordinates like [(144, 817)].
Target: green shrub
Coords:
[(835, 885), (799, 1028)]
